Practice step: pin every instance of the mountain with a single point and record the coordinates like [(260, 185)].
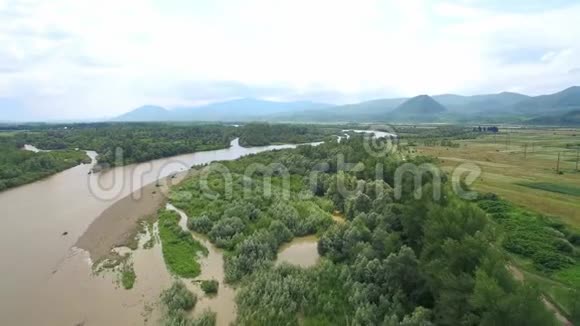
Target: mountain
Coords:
[(422, 106), (563, 101), (234, 110), (145, 113), (570, 118), (363, 111), (373, 106), (501, 107), (479, 103), (243, 109)]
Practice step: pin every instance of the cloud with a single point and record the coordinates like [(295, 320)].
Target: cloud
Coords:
[(73, 59)]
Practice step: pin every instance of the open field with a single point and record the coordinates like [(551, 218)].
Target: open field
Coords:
[(521, 166)]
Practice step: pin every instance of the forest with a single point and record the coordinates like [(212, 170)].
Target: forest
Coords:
[(19, 167), (260, 134), (402, 261), (141, 142)]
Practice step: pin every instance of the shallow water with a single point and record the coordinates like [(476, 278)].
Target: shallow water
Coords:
[(302, 251), (47, 281), (212, 267), (31, 148), (41, 270), (377, 133)]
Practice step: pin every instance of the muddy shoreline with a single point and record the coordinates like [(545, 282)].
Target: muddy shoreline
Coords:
[(118, 225)]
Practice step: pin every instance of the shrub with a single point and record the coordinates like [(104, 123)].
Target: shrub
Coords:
[(210, 287), (551, 261), (227, 232), (128, 277), (574, 238), (563, 246), (201, 224), (207, 318), (178, 297)]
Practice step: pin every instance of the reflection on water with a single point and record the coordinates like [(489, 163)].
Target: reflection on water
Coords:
[(31, 148), (377, 133)]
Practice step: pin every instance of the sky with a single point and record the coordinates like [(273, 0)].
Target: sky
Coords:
[(92, 59)]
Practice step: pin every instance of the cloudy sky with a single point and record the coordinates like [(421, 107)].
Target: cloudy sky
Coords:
[(71, 59)]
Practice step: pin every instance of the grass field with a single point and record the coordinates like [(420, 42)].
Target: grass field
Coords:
[(180, 250), (521, 165), (551, 187), (9, 133)]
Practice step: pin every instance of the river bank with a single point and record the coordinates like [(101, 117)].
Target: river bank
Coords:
[(44, 221), (55, 228), (118, 225)]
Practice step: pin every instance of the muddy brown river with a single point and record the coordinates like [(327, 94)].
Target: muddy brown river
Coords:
[(46, 280)]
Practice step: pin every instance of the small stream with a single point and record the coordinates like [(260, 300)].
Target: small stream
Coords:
[(300, 251), (212, 267)]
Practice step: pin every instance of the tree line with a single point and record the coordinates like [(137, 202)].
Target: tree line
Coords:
[(19, 167)]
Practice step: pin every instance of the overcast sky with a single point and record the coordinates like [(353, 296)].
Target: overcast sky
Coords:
[(74, 59)]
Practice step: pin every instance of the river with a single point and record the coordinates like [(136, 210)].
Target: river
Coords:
[(45, 279)]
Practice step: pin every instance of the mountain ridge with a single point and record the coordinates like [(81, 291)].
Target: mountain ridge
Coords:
[(455, 108)]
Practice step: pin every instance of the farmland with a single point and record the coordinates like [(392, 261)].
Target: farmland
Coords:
[(521, 165), (539, 210)]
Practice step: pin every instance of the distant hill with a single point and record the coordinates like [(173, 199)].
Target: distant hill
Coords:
[(563, 101), (419, 107), (363, 111), (501, 107), (145, 113), (570, 118), (243, 109), (479, 103), (234, 110)]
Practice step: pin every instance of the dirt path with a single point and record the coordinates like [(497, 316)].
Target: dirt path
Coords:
[(519, 275)]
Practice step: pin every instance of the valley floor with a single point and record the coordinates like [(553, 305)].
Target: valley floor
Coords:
[(520, 166)]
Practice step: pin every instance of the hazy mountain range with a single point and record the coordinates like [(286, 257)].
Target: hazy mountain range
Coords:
[(557, 108), (234, 110)]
